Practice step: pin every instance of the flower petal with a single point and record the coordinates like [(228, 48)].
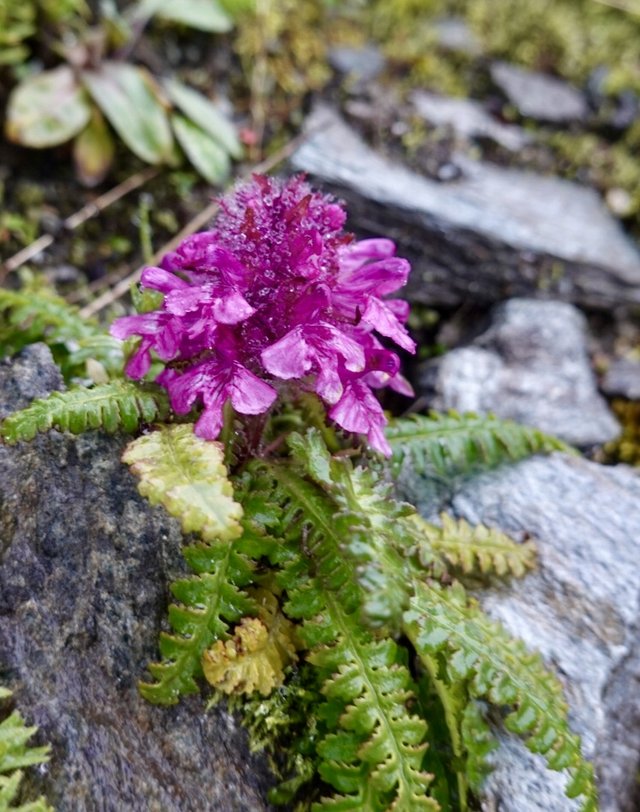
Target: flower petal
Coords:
[(159, 279), (290, 357), (380, 317), (249, 394)]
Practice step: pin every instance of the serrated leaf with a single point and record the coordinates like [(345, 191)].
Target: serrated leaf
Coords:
[(474, 548), (47, 109), (129, 98), (110, 406), (188, 477), (207, 156), (452, 443), (255, 657), (366, 684), (209, 601), (204, 15), (93, 151), (205, 114)]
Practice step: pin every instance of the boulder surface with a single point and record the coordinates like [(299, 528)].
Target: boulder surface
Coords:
[(531, 365)]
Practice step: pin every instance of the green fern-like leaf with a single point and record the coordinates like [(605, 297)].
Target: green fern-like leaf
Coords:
[(208, 603), (35, 313), (188, 477), (473, 548), (15, 755), (369, 525), (110, 406), (478, 743), (448, 444), (373, 750), (494, 666)]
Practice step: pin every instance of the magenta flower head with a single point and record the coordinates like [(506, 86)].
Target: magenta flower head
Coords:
[(276, 295)]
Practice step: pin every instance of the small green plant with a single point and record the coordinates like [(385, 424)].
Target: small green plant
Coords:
[(36, 313), (97, 90), (15, 755), (330, 611)]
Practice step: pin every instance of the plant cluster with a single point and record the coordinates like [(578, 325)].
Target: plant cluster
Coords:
[(97, 90), (328, 609)]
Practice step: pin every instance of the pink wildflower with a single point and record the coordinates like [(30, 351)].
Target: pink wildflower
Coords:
[(276, 292)]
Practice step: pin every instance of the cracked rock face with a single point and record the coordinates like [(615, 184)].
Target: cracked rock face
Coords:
[(531, 366), (487, 235), (85, 565)]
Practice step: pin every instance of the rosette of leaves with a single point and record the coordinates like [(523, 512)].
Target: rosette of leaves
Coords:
[(96, 94)]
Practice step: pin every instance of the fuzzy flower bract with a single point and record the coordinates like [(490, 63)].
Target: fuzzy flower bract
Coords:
[(275, 295)]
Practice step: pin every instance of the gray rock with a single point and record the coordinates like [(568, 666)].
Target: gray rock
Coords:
[(468, 119), (532, 366), (359, 64), (622, 379), (579, 609), (453, 34), (85, 564), (493, 234), (536, 95)]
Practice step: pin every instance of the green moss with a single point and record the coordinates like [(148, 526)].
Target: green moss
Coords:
[(567, 37), (627, 447)]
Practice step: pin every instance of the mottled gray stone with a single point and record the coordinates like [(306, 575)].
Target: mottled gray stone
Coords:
[(360, 64), (579, 609), (492, 234), (532, 366), (85, 565), (468, 119), (536, 95), (453, 34), (622, 379)]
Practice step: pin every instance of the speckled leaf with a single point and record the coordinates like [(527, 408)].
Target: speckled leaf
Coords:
[(208, 157), (128, 97), (187, 476), (47, 109), (93, 151), (205, 114)]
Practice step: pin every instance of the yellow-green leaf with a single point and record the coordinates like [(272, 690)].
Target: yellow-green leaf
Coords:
[(255, 657), (208, 157), (475, 548), (93, 151), (131, 101), (47, 109), (187, 476)]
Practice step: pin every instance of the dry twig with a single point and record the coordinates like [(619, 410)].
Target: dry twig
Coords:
[(82, 215)]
